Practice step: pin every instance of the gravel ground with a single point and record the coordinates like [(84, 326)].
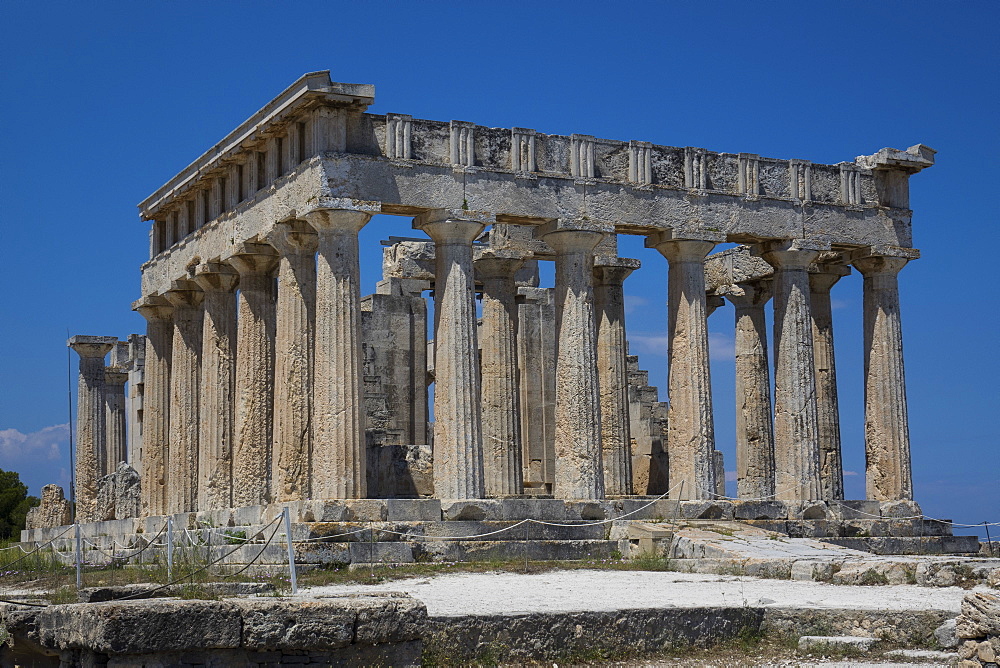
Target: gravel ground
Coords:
[(581, 590)]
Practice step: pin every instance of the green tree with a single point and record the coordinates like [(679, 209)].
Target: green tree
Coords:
[(14, 503)]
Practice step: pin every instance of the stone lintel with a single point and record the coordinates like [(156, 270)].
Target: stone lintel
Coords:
[(92, 346), (346, 204), (616, 262), (573, 225), (656, 238), (442, 215), (115, 375)]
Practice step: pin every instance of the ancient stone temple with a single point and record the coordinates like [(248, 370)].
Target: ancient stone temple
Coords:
[(266, 377)]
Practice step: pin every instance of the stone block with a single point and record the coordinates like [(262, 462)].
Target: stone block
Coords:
[(222, 517), (322, 553), (820, 643), (472, 509), (817, 571), (297, 625), (854, 509), (427, 510), (649, 509), (760, 510), (588, 510), (536, 509), (248, 515), (899, 509), (366, 510), (706, 510), (381, 553)]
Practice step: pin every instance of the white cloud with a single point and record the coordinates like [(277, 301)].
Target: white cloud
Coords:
[(836, 304), (46, 443), (850, 473), (647, 344), (730, 476), (633, 302), (721, 347)]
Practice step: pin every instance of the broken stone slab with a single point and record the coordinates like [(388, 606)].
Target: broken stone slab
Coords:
[(945, 634), (980, 616), (944, 658), (148, 589), (823, 643)]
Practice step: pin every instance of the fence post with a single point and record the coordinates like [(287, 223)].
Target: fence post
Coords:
[(170, 549), (79, 573), (291, 550)]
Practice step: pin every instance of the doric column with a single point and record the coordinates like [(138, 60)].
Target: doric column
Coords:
[(218, 376), (612, 372), (458, 440), (338, 457), (754, 429), (90, 421), (796, 429), (114, 411), (690, 430), (255, 326), (579, 470), (156, 403), (185, 381), (831, 470), (296, 244), (500, 405), (887, 431)]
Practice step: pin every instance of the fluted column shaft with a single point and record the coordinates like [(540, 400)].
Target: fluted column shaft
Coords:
[(254, 376), (887, 431), (293, 386), (91, 455), (458, 437), (185, 381), (156, 404), (831, 470), (754, 429), (115, 418), (339, 456), (691, 430), (612, 372), (218, 375), (579, 462), (500, 404), (796, 428)]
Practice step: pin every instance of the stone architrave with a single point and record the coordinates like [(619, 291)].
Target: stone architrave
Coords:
[(296, 244), (338, 448), (156, 402), (458, 439), (612, 371), (887, 431), (255, 328), (831, 470), (690, 428), (579, 466), (185, 381), (754, 429), (91, 420), (500, 403), (115, 378), (796, 426), (218, 377)]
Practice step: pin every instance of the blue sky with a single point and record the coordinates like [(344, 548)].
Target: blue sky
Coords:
[(103, 102)]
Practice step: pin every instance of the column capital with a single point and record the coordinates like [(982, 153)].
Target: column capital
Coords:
[(680, 250), (253, 258), (216, 277), (824, 275), (115, 375), (453, 226), (790, 253), (293, 237), (92, 346), (879, 261), (499, 264), (614, 270), (153, 308), (346, 219), (749, 294), (569, 235), (184, 294)]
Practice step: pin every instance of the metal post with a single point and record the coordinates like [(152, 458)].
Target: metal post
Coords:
[(170, 549), (79, 573), (986, 525), (291, 550)]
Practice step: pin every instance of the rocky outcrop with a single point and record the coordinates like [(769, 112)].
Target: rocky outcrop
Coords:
[(978, 629)]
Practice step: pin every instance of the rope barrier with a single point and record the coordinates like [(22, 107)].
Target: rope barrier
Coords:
[(28, 554)]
